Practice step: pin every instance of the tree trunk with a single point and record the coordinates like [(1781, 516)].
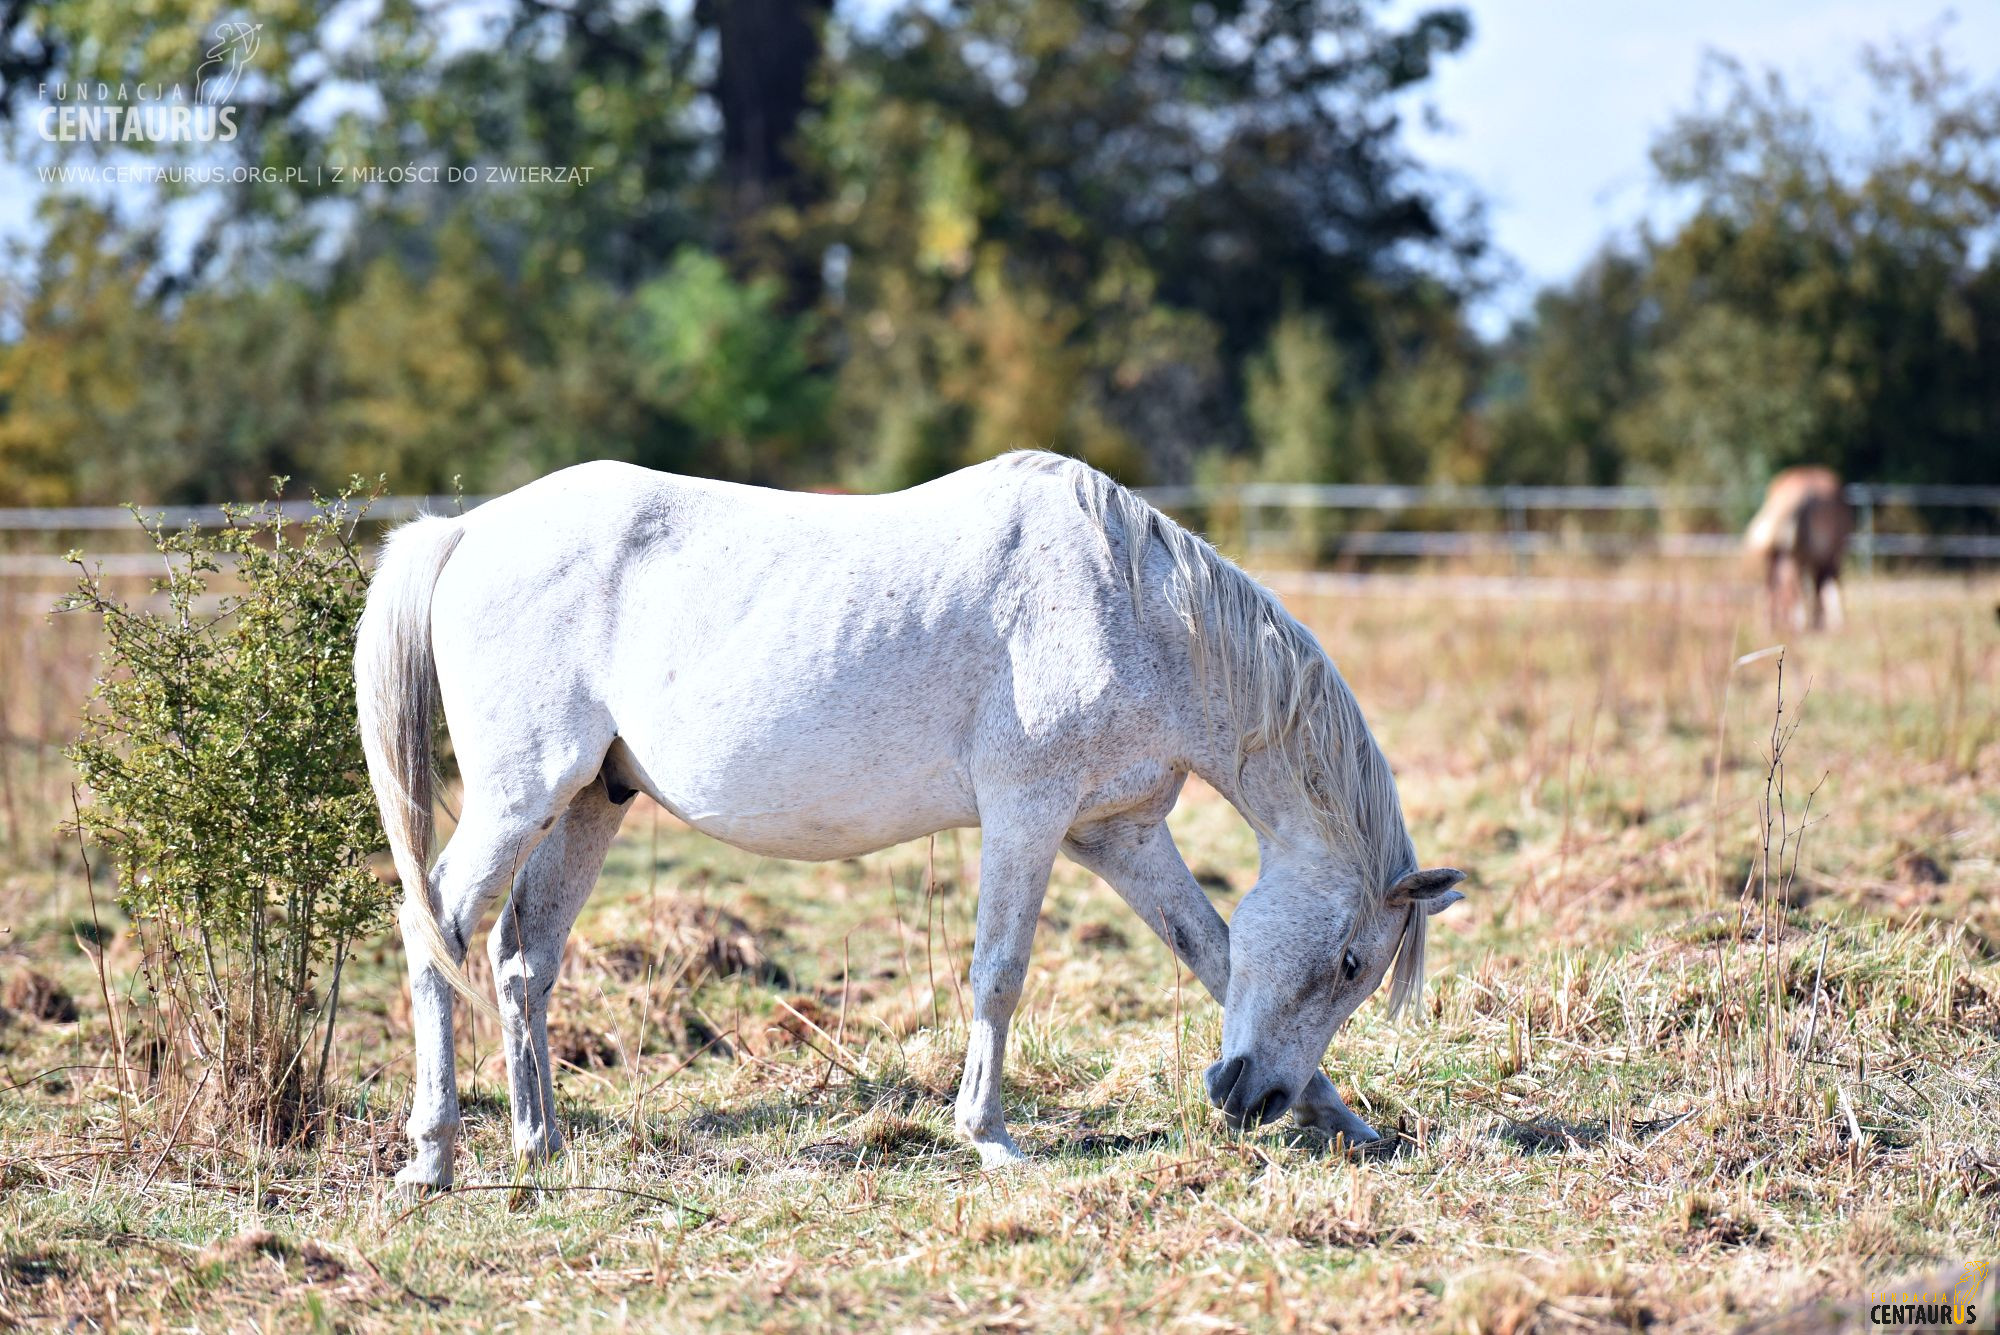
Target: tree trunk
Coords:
[(769, 49)]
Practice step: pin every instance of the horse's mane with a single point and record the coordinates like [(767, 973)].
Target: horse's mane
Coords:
[(1285, 694)]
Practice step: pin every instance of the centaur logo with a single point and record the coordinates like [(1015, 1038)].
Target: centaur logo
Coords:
[(216, 80), (1963, 1307), (155, 113)]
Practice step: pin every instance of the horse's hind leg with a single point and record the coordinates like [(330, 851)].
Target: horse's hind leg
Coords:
[(1829, 592), (508, 811), (526, 947), (484, 852)]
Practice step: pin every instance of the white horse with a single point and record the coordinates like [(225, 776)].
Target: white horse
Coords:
[(1024, 646)]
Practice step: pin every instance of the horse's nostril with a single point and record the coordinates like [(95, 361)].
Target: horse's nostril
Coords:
[(1222, 1079), (1271, 1107)]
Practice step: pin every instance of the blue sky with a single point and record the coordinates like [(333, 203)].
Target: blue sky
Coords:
[(1549, 113)]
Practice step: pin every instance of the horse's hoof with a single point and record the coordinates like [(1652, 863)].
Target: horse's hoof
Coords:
[(416, 1181), (999, 1154), (1356, 1133)]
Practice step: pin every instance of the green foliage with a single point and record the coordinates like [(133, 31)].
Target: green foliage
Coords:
[(1313, 422), (227, 782), (721, 358), (1707, 421), (73, 382), (993, 226), (1828, 299), (1565, 376), (1005, 178), (1222, 145), (430, 372), (1422, 424), (810, 251), (1295, 400)]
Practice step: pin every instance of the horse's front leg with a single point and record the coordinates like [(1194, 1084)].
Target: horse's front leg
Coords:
[(1016, 855), (1139, 861)]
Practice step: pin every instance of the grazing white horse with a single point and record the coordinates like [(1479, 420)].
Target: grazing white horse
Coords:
[(1024, 646)]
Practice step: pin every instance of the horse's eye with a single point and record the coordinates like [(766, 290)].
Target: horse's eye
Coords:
[(1353, 966)]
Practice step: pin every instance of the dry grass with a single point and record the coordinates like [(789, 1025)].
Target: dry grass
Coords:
[(1659, 1082)]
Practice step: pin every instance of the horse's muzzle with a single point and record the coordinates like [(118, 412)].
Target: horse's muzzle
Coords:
[(1245, 1099)]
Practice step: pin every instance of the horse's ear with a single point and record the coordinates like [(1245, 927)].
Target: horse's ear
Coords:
[(1431, 888)]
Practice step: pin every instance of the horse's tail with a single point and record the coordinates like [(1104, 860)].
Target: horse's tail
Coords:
[(395, 697)]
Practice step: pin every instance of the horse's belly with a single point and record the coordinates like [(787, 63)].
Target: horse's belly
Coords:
[(811, 804), (793, 835)]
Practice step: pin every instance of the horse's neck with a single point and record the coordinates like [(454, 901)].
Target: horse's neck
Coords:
[(1255, 782), (1260, 783), (1260, 792)]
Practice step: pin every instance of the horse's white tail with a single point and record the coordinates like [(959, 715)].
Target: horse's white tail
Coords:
[(395, 696)]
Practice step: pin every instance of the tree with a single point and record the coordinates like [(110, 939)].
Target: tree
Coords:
[(719, 358), (1297, 401), (1226, 153), (1826, 299), (1226, 144), (74, 378), (1563, 377), (1041, 224), (767, 54), (1874, 254)]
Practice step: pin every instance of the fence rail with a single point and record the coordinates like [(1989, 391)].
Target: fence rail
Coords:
[(111, 518), (1521, 540), (1513, 504), (1394, 497)]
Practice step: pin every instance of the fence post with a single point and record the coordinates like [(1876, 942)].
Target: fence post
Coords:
[(1867, 543), (1517, 526)]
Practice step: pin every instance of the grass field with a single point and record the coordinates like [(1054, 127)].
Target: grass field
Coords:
[(1671, 1073)]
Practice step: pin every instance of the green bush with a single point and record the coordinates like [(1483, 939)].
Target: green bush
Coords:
[(226, 781), (723, 359)]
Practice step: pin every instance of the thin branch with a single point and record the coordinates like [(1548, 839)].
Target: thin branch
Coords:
[(655, 1198)]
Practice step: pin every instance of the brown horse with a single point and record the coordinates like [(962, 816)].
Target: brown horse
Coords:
[(1801, 535)]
